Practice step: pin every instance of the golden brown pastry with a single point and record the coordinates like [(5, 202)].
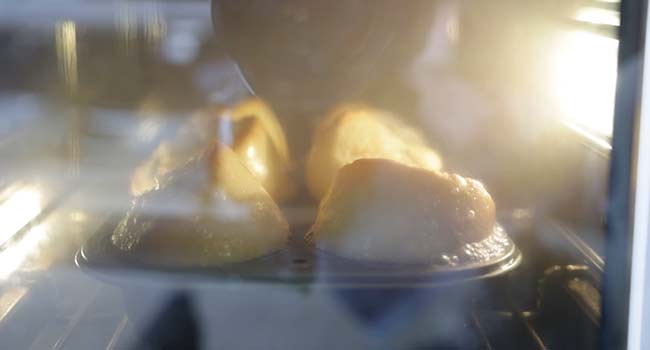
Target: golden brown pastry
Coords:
[(354, 132), (384, 211), (250, 128), (210, 211)]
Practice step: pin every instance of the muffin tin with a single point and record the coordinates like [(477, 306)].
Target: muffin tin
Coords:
[(298, 264)]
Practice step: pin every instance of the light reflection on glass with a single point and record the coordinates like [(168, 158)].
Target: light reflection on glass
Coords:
[(451, 28), (598, 16), (181, 45), (586, 134), (18, 210), (583, 79), (12, 258), (225, 129), (155, 27), (66, 50), (148, 129), (125, 22)]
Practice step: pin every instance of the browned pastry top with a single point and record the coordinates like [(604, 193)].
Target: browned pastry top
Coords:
[(355, 131)]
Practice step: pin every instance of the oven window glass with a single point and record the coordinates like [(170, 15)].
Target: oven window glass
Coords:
[(305, 174)]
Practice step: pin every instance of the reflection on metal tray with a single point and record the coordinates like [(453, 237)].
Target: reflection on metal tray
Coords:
[(298, 263)]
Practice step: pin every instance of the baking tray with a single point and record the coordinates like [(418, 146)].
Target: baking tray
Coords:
[(298, 263)]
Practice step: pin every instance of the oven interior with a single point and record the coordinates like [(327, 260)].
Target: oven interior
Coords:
[(89, 90)]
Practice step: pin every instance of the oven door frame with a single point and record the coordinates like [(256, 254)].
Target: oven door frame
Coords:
[(624, 314)]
